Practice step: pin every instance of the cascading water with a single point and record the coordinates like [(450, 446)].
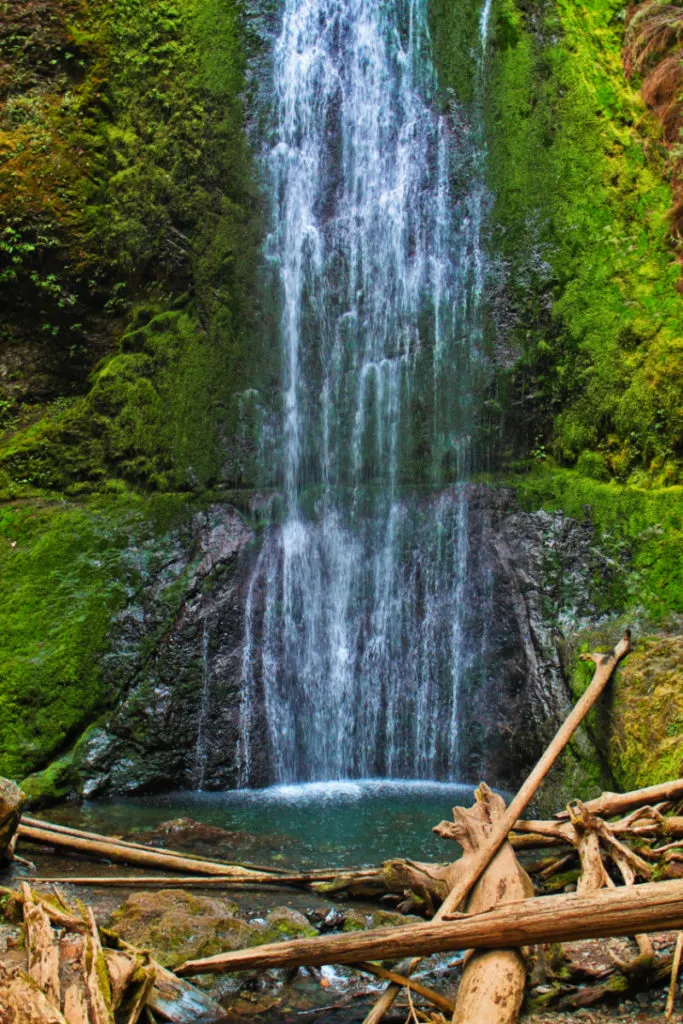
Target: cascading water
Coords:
[(356, 650)]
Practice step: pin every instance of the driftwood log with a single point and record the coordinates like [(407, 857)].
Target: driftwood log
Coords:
[(654, 906), (492, 985), (11, 802), (77, 980), (609, 805), (22, 1001)]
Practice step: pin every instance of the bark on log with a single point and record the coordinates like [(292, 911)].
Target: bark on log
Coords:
[(653, 906), (22, 1002), (11, 802), (42, 949), (608, 805)]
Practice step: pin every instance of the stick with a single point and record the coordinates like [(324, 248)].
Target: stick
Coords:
[(653, 906), (605, 665), (675, 967), (399, 979), (186, 881)]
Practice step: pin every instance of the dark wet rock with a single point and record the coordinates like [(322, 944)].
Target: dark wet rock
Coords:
[(177, 648), (529, 584), (175, 658)]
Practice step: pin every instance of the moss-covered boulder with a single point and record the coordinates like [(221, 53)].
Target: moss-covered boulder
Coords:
[(176, 926), (286, 923)]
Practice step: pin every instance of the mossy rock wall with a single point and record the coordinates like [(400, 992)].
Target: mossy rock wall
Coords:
[(128, 259), (586, 316)]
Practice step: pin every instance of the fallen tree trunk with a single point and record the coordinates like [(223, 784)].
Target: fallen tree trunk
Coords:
[(653, 906), (79, 833), (132, 855), (190, 881), (608, 805)]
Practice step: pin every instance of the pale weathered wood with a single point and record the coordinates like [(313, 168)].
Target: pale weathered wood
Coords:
[(72, 951), (11, 802), (133, 855), (58, 917), (605, 665), (177, 1001), (23, 1002), (675, 968), (134, 1008), (96, 978), (608, 805), (492, 985), (653, 906), (42, 948), (121, 967)]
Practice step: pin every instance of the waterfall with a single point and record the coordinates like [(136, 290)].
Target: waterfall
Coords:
[(356, 655)]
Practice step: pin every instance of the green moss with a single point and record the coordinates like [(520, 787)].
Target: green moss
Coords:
[(580, 234), (55, 783), (645, 735), (64, 573), (639, 537), (163, 234)]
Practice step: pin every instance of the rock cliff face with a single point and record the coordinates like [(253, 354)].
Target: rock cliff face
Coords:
[(178, 725)]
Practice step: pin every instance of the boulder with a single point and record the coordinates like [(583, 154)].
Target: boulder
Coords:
[(176, 925)]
